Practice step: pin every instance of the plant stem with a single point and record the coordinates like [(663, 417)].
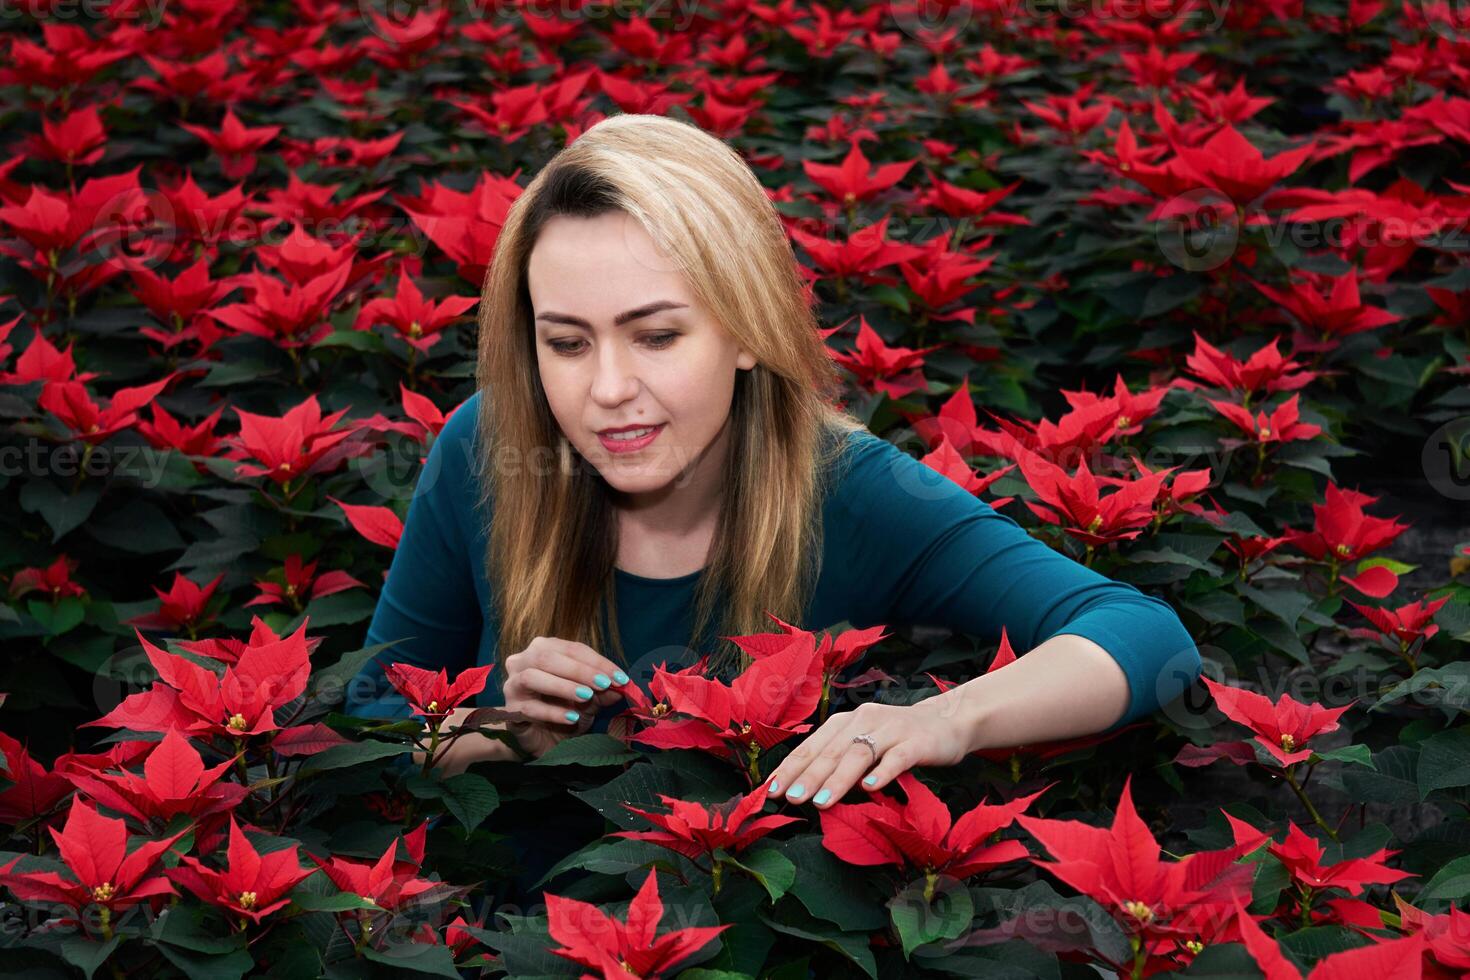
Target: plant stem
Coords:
[(1311, 810)]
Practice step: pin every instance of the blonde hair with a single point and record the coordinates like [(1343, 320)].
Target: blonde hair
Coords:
[(552, 536)]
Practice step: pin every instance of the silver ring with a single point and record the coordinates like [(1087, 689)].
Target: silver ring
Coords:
[(867, 740)]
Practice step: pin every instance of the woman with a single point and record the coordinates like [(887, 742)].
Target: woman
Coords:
[(644, 281)]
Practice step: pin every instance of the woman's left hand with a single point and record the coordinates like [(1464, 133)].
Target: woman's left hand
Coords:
[(827, 763)]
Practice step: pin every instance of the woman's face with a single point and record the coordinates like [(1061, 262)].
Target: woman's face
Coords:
[(621, 341)]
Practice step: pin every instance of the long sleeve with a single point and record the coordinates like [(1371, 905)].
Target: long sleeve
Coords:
[(937, 555), (428, 603)]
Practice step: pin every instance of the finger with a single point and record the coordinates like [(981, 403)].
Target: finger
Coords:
[(593, 664), (856, 761), (532, 698), (576, 668), (892, 763), (550, 685), (805, 768)]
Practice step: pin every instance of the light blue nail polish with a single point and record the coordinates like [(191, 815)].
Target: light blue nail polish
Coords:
[(572, 716), (620, 677), (795, 792), (775, 786), (583, 692), (601, 680), (822, 797), (869, 781)]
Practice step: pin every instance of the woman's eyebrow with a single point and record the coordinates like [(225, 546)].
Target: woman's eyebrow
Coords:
[(627, 317)]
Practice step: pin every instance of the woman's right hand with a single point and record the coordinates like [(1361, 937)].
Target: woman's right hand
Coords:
[(542, 683)]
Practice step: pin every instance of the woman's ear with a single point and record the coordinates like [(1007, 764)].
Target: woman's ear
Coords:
[(745, 361)]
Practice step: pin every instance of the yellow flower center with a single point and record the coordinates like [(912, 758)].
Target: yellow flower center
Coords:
[(1139, 910), (659, 710), (247, 900), (1095, 523), (285, 467), (290, 590), (1124, 421), (1288, 741), (628, 967), (432, 706), (1343, 550), (1194, 946), (103, 892), (414, 330), (237, 722), (1266, 432)]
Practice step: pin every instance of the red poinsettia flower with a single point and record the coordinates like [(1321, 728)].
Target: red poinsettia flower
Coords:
[(185, 606), (430, 694), (288, 314), (386, 882), (837, 653), (418, 321), (54, 580), (167, 432), (174, 782), (1281, 727), (947, 460), (1446, 937), (1282, 425), (240, 703), (253, 885), (302, 583), (1227, 162), (1119, 868), (767, 704), (1330, 307), (1343, 532), (1075, 504), (855, 179), (1386, 959), (234, 144), (630, 947), (33, 792), (697, 829), (895, 371), (70, 402), (299, 443), (1266, 370), (1403, 626), (228, 649), (921, 834), (104, 873), (1301, 854)]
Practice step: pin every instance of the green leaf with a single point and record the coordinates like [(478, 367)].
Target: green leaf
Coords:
[(830, 889), (206, 966), (1357, 754), (358, 340), (1450, 685), (944, 916), (354, 753), (1449, 886), (86, 955), (469, 797), (1444, 762), (60, 510), (640, 785), (60, 618), (416, 957), (609, 856), (1397, 567), (593, 749), (854, 946), (312, 901), (138, 527), (1286, 605), (336, 677), (768, 866)]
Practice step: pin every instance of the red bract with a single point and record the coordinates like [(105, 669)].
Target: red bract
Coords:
[(227, 649), (184, 606), (296, 444), (54, 580), (465, 225), (1392, 959), (895, 371), (288, 315), (70, 402), (921, 834), (174, 782), (252, 885), (621, 948), (697, 829), (851, 181), (1264, 371), (33, 792), (430, 694), (1403, 625), (380, 525), (1075, 504), (837, 652), (234, 144), (1343, 532), (417, 320), (861, 255), (166, 432), (1282, 425), (1446, 938), (767, 704), (94, 849), (1281, 727), (948, 461), (242, 702), (1231, 164), (1329, 307), (1302, 856), (386, 882), (301, 584), (1119, 868)]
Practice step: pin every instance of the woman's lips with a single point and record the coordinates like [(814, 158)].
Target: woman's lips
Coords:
[(629, 445)]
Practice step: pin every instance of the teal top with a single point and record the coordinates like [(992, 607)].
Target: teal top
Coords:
[(904, 545)]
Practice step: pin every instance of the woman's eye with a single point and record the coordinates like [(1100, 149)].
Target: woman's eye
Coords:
[(569, 348)]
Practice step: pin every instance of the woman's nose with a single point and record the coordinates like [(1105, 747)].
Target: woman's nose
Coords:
[(614, 380)]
